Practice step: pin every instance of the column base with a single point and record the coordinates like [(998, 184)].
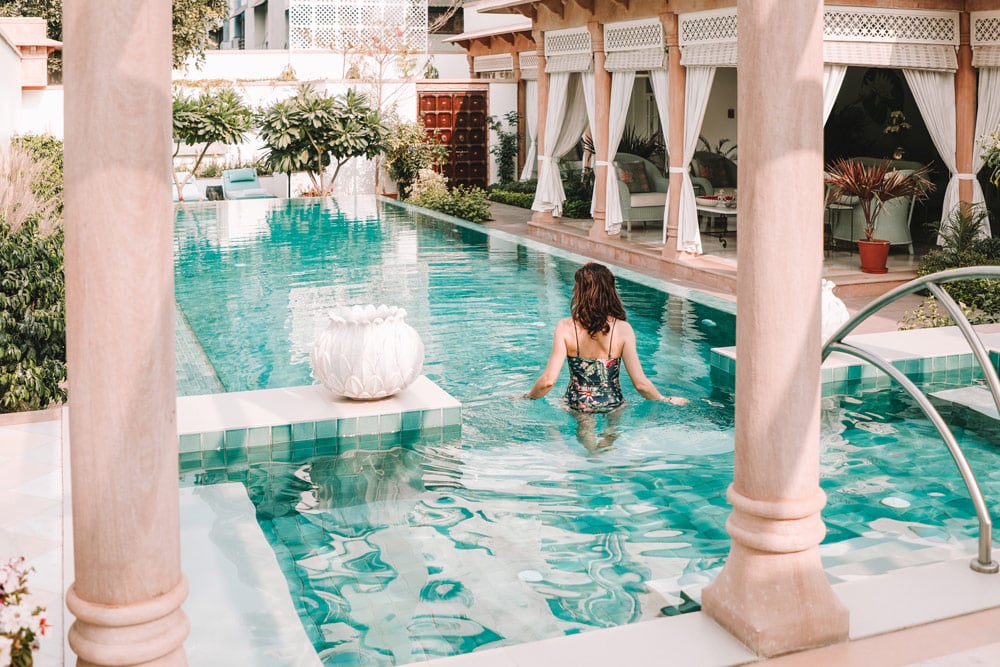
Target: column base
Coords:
[(776, 603)]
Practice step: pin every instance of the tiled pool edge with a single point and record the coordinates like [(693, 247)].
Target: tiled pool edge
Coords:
[(242, 428), (936, 355)]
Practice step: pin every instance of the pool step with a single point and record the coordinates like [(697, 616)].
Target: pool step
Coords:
[(236, 429), (936, 355), (979, 399)]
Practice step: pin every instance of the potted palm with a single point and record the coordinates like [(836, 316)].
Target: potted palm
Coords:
[(874, 184)]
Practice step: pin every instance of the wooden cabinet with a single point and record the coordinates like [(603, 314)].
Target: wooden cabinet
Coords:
[(459, 120)]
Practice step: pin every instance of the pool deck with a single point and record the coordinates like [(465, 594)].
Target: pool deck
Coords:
[(894, 615)]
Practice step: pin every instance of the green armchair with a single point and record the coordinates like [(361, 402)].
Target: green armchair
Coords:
[(643, 190)]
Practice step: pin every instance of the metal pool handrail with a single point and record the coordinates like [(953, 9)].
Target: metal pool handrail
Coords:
[(984, 561)]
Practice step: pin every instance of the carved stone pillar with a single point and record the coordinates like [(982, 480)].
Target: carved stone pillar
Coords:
[(772, 593), (677, 82), (602, 104), (543, 109), (128, 586)]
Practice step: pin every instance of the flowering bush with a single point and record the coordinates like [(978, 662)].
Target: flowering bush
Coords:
[(430, 190), (991, 156), (21, 625)]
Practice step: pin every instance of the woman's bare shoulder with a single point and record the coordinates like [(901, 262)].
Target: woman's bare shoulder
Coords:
[(625, 328)]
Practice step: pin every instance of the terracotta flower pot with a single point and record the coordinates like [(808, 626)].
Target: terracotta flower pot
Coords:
[(873, 254)]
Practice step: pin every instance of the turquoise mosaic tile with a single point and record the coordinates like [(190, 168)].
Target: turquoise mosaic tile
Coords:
[(281, 434), (391, 423), (369, 442), (432, 419), (326, 446), (258, 437), (451, 416), (347, 427), (258, 454), (195, 373), (190, 443), (214, 440), (368, 425), (236, 456), (190, 461), (281, 451), (236, 439), (214, 458), (303, 431), (327, 429), (410, 421), (303, 450)]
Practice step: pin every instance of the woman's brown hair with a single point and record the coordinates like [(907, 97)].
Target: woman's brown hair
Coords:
[(595, 298)]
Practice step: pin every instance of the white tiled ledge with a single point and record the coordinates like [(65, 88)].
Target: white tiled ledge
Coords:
[(296, 405)]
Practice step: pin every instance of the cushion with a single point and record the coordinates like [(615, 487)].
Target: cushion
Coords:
[(240, 175), (633, 175), (648, 199)]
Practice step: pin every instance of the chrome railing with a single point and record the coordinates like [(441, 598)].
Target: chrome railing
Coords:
[(984, 561)]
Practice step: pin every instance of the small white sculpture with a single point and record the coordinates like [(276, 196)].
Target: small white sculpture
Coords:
[(367, 353), (834, 311)]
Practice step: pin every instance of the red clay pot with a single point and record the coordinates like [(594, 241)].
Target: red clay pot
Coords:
[(873, 254)]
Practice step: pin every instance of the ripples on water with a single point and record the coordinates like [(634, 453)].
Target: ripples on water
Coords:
[(514, 530)]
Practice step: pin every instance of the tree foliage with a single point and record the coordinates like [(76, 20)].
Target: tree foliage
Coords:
[(192, 21), (311, 131), (408, 149), (32, 290), (216, 115)]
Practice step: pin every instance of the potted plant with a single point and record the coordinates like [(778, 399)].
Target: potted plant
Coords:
[(874, 184)]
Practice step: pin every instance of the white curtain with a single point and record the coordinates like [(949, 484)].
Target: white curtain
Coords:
[(833, 79), (621, 96), (531, 123), (934, 93), (987, 120), (660, 81), (696, 93), (589, 92), (549, 194)]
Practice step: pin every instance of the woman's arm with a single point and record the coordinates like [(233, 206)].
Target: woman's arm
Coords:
[(554, 366), (630, 356)]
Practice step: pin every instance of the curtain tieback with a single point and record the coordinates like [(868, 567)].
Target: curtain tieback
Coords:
[(965, 177), (677, 170), (545, 158), (602, 163)]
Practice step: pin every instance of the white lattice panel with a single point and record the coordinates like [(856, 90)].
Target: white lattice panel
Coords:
[(499, 62), (864, 24), (713, 27), (341, 24), (566, 42), (633, 35), (528, 61), (897, 56), (985, 28)]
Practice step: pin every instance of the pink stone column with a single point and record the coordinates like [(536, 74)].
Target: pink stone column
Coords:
[(128, 586), (677, 81), (772, 593), (602, 107), (543, 109), (965, 110)]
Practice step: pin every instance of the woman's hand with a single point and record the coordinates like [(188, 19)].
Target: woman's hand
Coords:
[(675, 400)]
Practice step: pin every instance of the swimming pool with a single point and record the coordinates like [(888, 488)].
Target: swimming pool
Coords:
[(512, 529)]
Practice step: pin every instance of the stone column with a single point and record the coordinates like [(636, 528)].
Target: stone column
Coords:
[(543, 109), (602, 105), (128, 586), (772, 593), (677, 82), (965, 110), (522, 123)]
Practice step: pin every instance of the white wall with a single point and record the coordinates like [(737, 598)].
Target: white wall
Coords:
[(717, 125), (10, 91), (42, 112), (502, 99), (474, 21)]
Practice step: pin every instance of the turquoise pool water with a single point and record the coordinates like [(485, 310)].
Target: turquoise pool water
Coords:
[(512, 529)]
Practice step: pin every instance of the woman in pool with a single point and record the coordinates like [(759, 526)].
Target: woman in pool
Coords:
[(595, 339)]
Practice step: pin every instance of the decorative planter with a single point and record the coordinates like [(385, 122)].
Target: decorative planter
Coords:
[(873, 254), (367, 353)]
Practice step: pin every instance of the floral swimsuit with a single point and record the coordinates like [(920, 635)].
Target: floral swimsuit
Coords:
[(593, 383)]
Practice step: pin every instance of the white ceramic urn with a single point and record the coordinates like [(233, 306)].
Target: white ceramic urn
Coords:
[(367, 352)]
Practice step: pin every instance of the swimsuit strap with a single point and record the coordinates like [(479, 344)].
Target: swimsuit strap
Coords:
[(577, 332), (612, 336)]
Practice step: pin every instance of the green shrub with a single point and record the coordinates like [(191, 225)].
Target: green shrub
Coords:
[(430, 190), (522, 199), (529, 186), (505, 149)]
